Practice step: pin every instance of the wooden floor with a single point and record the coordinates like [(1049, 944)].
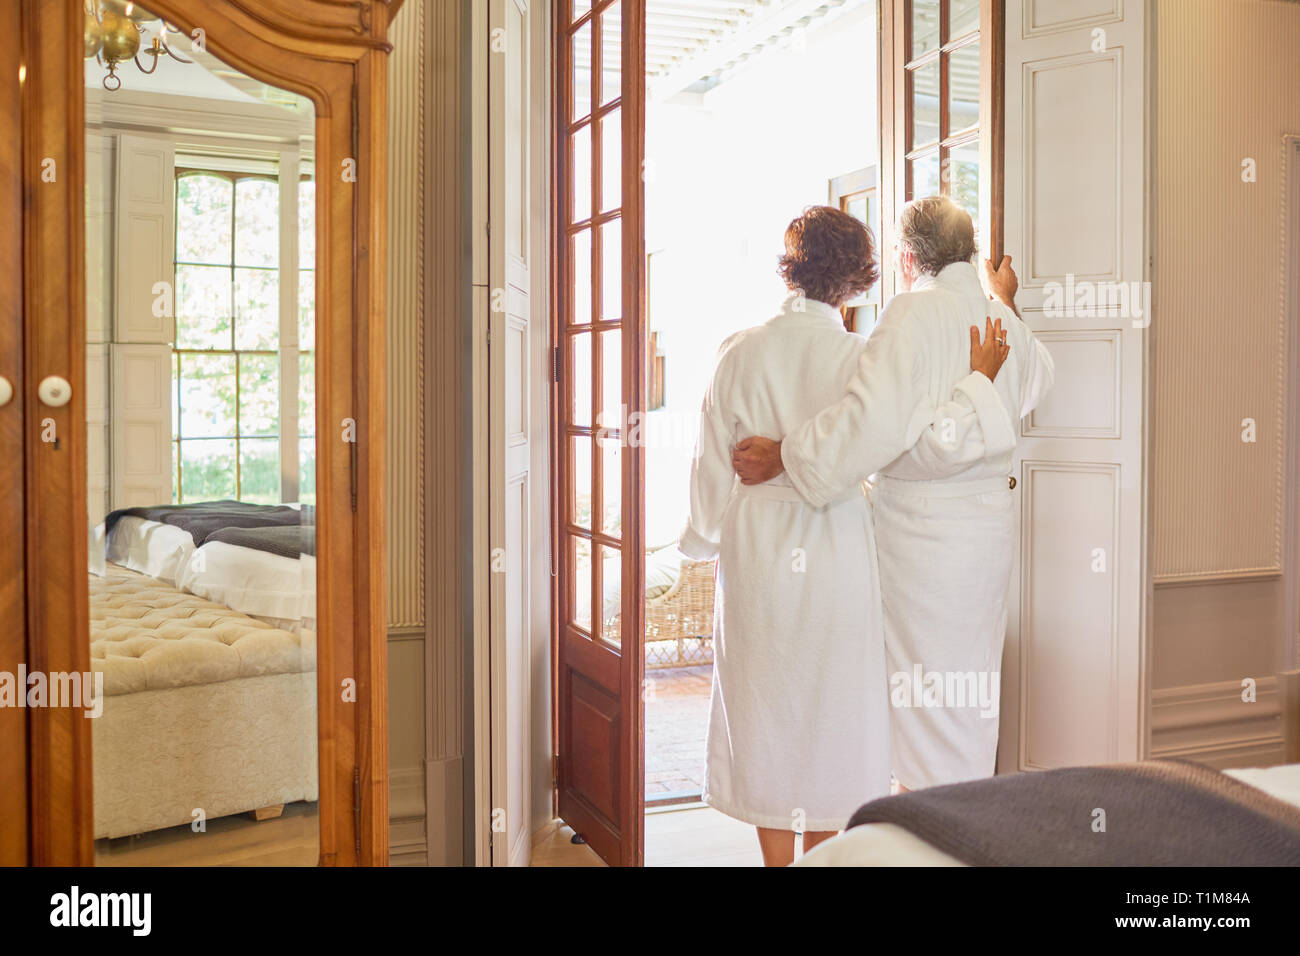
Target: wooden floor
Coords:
[(292, 839), (695, 836)]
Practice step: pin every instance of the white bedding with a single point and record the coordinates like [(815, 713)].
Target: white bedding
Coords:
[(149, 547), (254, 582), (886, 844), (244, 579)]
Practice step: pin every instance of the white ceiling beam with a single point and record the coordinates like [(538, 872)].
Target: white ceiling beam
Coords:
[(772, 19)]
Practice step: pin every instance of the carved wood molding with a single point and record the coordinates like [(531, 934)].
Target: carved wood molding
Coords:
[(335, 53)]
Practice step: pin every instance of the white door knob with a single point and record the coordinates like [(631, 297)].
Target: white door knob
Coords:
[(6, 391), (54, 391)]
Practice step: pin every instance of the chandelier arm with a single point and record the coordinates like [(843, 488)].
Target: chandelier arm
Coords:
[(140, 66), (173, 54)]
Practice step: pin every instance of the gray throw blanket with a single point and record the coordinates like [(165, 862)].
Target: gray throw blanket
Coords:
[(207, 520), (1156, 813)]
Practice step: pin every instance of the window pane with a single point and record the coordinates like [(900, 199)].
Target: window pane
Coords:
[(964, 88), (611, 567), (207, 396), (580, 370), (207, 470), (611, 53), (963, 18), (925, 176), (257, 309), (203, 307), (306, 393), (924, 91), (203, 210), (611, 481), (307, 470), (581, 278), (581, 72), (306, 224), (611, 254), (925, 26), (964, 178), (257, 222), (307, 310), (580, 470), (580, 7), (581, 203), (259, 395), (611, 167), (259, 470)]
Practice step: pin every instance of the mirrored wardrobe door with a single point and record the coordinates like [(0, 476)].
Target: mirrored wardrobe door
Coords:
[(13, 604), (200, 414)]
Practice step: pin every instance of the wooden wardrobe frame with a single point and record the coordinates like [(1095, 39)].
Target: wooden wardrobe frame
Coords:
[(335, 53)]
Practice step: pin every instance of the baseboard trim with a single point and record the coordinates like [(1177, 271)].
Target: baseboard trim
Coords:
[(1211, 724)]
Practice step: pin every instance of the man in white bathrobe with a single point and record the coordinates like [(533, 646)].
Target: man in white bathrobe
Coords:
[(943, 518)]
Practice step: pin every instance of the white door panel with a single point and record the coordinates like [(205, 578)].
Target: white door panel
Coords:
[(511, 424), (1074, 689)]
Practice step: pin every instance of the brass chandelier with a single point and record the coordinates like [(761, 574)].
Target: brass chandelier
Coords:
[(114, 31)]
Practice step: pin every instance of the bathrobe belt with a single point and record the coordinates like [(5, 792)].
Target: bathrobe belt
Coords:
[(781, 491), (943, 489)]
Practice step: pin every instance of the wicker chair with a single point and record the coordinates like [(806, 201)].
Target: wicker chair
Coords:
[(679, 622)]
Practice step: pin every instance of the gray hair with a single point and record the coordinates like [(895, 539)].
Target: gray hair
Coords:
[(937, 232)]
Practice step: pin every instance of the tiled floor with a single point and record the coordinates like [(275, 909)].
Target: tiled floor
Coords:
[(676, 720)]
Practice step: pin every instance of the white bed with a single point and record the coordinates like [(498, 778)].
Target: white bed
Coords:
[(279, 590), (205, 708), (887, 844)]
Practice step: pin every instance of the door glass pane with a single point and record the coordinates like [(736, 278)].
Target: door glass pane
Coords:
[(611, 482), (581, 188), (581, 72), (581, 263), (925, 26), (963, 18), (580, 470), (964, 178), (963, 88), (611, 566), (612, 413), (925, 176), (923, 88), (611, 167), (611, 52), (202, 529), (580, 590), (580, 366), (611, 266)]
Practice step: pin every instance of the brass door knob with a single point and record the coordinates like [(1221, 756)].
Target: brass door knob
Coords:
[(1012, 479)]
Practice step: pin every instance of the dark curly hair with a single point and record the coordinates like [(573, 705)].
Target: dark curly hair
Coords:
[(829, 256)]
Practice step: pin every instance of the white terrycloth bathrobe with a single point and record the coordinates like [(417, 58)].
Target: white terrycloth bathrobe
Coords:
[(798, 721), (943, 522)]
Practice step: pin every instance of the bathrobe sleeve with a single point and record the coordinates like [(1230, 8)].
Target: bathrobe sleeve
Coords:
[(1040, 371), (885, 413), (973, 426), (712, 477)]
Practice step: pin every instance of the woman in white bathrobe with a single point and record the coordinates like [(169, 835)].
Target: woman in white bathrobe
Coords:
[(943, 514), (798, 732)]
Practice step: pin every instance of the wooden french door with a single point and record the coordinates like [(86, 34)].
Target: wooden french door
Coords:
[(941, 114), (599, 335), (13, 602)]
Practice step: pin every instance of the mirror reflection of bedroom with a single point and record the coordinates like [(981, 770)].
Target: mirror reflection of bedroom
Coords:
[(200, 246)]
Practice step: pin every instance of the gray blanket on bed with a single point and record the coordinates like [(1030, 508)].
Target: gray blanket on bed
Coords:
[(276, 529), (1153, 813)]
